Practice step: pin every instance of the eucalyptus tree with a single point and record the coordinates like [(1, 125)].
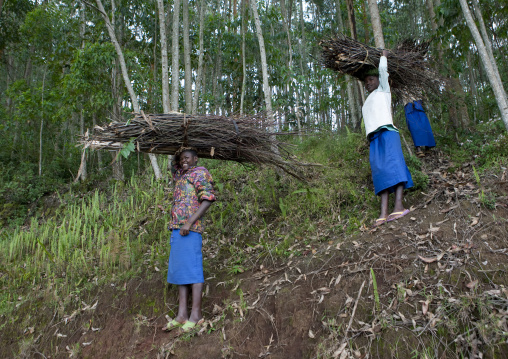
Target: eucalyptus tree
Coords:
[(376, 24), (186, 57), (355, 119), (164, 57), (264, 66), (126, 79), (175, 53), (199, 76), (492, 73)]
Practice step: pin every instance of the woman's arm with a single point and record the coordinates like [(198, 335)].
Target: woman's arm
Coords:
[(383, 73), (203, 207)]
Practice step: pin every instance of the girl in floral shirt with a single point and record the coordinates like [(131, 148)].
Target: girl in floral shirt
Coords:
[(192, 197)]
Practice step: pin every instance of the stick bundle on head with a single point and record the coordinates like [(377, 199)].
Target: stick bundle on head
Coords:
[(409, 68), (243, 139)]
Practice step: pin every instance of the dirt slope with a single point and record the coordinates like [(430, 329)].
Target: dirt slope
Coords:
[(439, 291)]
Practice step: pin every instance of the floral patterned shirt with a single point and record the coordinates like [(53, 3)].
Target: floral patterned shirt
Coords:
[(191, 188)]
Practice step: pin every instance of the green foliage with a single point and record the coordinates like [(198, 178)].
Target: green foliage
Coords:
[(420, 179), (128, 148)]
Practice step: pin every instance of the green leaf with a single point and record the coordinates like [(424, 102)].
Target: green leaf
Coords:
[(128, 148)]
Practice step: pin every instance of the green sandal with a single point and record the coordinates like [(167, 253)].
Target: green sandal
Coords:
[(173, 324), (189, 326)]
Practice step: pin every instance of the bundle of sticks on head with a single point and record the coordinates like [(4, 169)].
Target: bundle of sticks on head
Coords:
[(411, 76), (241, 138)]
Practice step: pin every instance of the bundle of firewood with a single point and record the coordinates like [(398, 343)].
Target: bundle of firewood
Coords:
[(244, 139), (410, 73)]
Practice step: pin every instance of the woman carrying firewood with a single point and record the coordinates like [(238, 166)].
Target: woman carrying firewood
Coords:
[(419, 126), (389, 171), (192, 196)]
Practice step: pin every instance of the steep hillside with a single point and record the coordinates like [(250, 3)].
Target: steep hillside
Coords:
[(292, 270)]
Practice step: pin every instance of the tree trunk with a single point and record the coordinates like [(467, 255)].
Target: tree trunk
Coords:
[(199, 76), (264, 66), (486, 39), (164, 57), (84, 173), (175, 53), (82, 29), (217, 81), (351, 18), (353, 103), (292, 80), (244, 67), (303, 62), (497, 86), (376, 24), (42, 125), (357, 87), (117, 166), (119, 52), (365, 23), (186, 58), (126, 79), (99, 153)]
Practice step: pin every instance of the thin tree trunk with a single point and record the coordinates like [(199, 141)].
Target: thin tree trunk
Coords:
[(264, 65), (82, 29), (119, 52), (200, 59), (217, 84), (99, 153), (365, 22), (186, 58), (244, 67), (486, 39), (353, 103), (376, 24), (126, 79), (357, 87), (117, 166), (497, 86), (42, 125), (472, 85), (303, 60), (292, 80), (351, 18), (175, 53), (164, 57), (84, 173)]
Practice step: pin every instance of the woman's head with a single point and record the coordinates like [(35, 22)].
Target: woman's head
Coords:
[(371, 82), (186, 158)]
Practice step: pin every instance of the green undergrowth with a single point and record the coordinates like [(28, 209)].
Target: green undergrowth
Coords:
[(486, 144), (119, 230)]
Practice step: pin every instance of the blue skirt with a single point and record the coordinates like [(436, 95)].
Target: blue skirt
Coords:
[(387, 162), (419, 125), (185, 258)]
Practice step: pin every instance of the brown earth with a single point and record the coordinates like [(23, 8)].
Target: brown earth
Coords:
[(439, 271)]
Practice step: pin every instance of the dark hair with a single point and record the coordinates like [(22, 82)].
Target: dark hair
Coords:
[(369, 72), (191, 151)]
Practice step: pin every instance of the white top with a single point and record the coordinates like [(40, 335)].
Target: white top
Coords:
[(377, 109)]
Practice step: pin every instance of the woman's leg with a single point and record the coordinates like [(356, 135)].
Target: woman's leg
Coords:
[(197, 289), (399, 195), (183, 298), (384, 203)]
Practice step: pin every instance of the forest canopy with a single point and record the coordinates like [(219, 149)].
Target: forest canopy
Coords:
[(69, 65)]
